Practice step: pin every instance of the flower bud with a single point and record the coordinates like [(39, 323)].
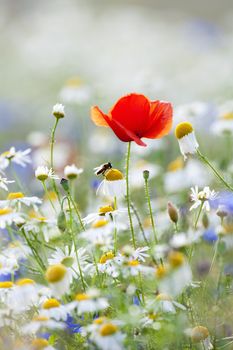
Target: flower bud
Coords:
[(222, 211), (61, 221), (65, 184), (146, 174), (172, 212), (58, 111)]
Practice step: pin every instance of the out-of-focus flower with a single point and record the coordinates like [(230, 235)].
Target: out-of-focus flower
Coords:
[(201, 334), (58, 277), (72, 172), (134, 117), (75, 91), (202, 198), (18, 157), (4, 182)]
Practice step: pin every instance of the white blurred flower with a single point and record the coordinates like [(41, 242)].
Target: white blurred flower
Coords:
[(42, 173), (4, 182), (202, 197), (72, 172)]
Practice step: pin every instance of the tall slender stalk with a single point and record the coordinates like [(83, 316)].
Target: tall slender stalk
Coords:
[(150, 209), (128, 195), (219, 176), (52, 156)]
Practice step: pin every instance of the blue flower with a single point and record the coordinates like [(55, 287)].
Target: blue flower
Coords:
[(224, 198), (210, 235), (136, 300), (71, 326)]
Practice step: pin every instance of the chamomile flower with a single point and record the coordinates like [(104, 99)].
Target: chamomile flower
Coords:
[(8, 264), (164, 303), (6, 287), (41, 322), (106, 211), (4, 182), (58, 111), (7, 217), (18, 198), (40, 344), (91, 301), (72, 172), (42, 173), (202, 198), (109, 264), (18, 157), (52, 308), (113, 185), (68, 258), (59, 279), (24, 295), (17, 250), (187, 140)]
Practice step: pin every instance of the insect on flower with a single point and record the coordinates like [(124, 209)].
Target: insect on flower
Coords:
[(102, 168)]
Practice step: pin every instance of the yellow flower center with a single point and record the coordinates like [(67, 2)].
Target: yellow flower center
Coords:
[(105, 257), (39, 343), (183, 129), (176, 259), (147, 222), (152, 316), (133, 263), (199, 333), (6, 284), (74, 82), (51, 303), (177, 164), (163, 296), (161, 271), (227, 116), (114, 175), (15, 195), (105, 209), (40, 318), (24, 281), (108, 329), (51, 195), (100, 320), (55, 273), (81, 297), (5, 211), (99, 223)]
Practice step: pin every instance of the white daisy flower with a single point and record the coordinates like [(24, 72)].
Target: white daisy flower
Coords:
[(39, 343), (106, 211), (91, 301), (18, 157), (42, 173), (4, 182), (6, 288), (8, 264), (7, 217), (17, 198), (41, 322), (52, 308), (24, 295), (58, 111), (59, 279), (109, 264), (202, 198), (164, 303), (113, 185), (17, 250), (187, 140), (72, 172), (67, 257)]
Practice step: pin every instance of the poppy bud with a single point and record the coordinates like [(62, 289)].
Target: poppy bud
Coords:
[(65, 184), (172, 212), (61, 221), (221, 211), (146, 174)]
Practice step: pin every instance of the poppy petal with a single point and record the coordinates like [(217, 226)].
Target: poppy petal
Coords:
[(98, 117), (132, 112), (123, 133), (160, 120)]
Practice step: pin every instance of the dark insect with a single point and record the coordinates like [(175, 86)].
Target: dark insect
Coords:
[(102, 168)]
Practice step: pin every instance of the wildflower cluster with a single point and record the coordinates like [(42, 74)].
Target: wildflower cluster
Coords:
[(132, 268)]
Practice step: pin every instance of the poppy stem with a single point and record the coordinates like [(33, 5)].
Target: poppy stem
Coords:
[(128, 195), (150, 210)]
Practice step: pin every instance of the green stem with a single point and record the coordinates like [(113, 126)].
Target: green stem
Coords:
[(34, 252), (76, 210), (128, 196), (75, 246), (52, 156), (219, 176), (198, 215), (150, 211)]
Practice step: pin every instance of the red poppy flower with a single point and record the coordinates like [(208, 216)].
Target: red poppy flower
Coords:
[(134, 116)]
